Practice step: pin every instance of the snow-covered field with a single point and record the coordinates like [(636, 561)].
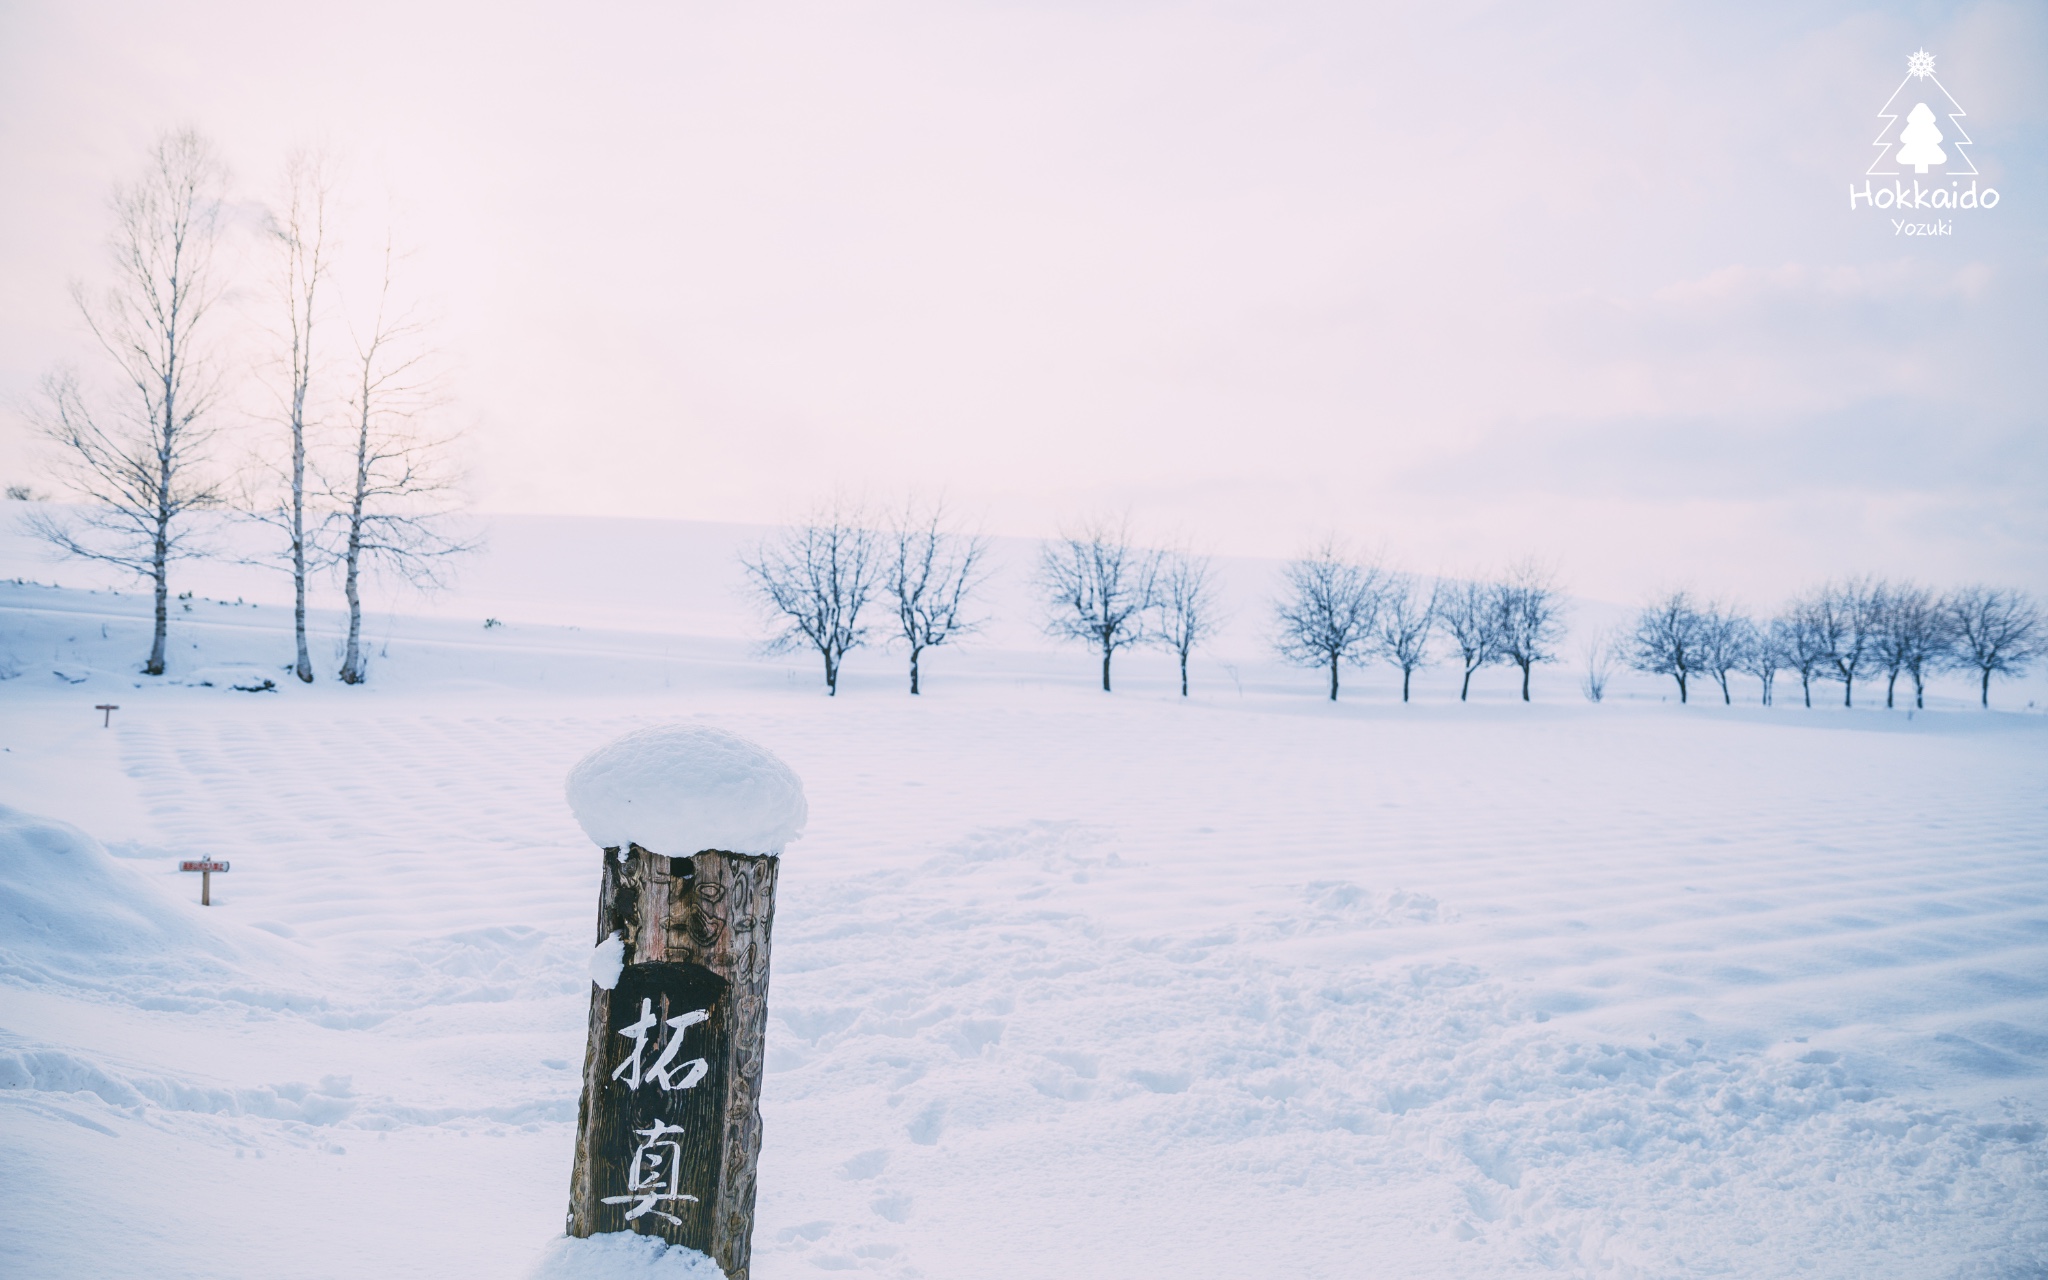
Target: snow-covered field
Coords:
[(1066, 984)]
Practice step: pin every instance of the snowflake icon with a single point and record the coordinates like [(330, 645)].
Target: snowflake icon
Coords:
[(1920, 64)]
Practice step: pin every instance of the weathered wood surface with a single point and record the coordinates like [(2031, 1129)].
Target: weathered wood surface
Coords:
[(653, 1130)]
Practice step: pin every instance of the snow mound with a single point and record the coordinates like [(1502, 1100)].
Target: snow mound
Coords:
[(622, 1255), (681, 789), (66, 903)]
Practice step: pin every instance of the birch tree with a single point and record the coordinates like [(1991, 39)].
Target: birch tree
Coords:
[(934, 571), (395, 501), (139, 460), (1098, 588), (300, 237)]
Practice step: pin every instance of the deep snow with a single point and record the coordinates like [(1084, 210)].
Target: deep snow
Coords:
[(1065, 984)]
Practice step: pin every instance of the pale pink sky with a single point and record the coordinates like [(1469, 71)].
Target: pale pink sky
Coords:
[(1467, 281)]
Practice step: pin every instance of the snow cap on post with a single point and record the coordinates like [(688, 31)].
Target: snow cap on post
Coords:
[(680, 789)]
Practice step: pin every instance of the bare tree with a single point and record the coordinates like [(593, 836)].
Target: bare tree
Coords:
[(1098, 588), (1913, 637), (815, 579), (1599, 655), (1668, 640), (1327, 616), (1469, 614), (934, 570), (1725, 636), (394, 502), (1185, 599), (1407, 617), (1997, 632), (1531, 621), (1805, 630), (1845, 616), (299, 233), (1764, 653), (140, 462)]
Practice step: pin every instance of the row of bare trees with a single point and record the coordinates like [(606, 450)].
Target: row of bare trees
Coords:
[(816, 579), (1101, 588), (1336, 609), (341, 469), (1850, 630)]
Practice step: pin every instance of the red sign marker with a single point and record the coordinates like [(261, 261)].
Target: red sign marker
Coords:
[(205, 867)]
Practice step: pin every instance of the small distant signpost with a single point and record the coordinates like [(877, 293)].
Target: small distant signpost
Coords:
[(205, 867), (110, 708)]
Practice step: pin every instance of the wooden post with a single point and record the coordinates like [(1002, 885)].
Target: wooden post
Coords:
[(107, 721), (205, 867), (668, 1133)]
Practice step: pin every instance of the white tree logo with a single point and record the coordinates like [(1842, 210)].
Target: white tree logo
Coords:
[(1919, 142)]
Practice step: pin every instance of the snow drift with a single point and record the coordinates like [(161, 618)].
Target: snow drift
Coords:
[(66, 904)]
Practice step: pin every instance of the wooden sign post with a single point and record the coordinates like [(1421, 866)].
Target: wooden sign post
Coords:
[(668, 1132), (205, 868), (107, 721)]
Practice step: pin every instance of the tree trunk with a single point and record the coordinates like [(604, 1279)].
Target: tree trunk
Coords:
[(1405, 673), (161, 548), (1333, 677), (831, 676), (1848, 691), (668, 1131), (1806, 687), (1890, 683), (1984, 696), (1727, 698), (1183, 673), (913, 670), (1106, 652), (304, 667), (352, 670), (1919, 693), (1680, 677), (155, 666), (1525, 680), (351, 661)]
